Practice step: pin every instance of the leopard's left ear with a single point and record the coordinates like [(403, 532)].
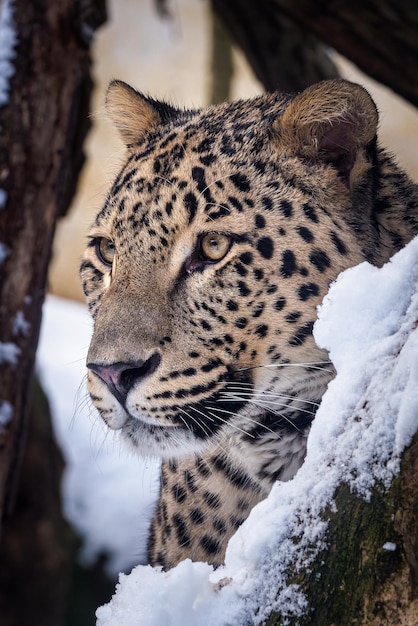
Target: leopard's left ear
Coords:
[(134, 114), (331, 122)]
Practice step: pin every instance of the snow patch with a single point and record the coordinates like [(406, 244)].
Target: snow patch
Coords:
[(8, 40), (368, 324), (6, 413), (9, 353), (20, 326)]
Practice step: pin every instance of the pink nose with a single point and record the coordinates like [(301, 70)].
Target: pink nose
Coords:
[(121, 377)]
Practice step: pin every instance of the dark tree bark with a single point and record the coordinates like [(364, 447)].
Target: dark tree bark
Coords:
[(282, 54), (355, 581), (222, 67), (279, 39), (37, 548), (42, 129), (381, 38)]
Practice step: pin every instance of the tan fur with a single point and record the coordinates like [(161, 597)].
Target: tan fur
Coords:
[(214, 363), (133, 116)]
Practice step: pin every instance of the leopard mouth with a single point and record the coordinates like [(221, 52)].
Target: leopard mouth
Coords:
[(180, 426)]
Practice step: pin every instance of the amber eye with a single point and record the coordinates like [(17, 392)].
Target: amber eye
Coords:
[(105, 250), (214, 246)]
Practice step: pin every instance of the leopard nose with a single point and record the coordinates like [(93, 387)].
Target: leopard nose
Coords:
[(121, 377)]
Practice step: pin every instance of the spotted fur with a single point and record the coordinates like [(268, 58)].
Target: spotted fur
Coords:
[(204, 269)]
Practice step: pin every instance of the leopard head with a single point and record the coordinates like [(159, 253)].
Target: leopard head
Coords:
[(214, 247)]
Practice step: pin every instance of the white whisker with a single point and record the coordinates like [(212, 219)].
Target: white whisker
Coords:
[(315, 365), (200, 425), (234, 426), (261, 394), (246, 418)]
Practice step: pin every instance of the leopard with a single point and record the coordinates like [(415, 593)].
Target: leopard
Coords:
[(203, 272)]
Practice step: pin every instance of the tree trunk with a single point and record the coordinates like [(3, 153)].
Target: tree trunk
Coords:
[(43, 125), (38, 547), (279, 40), (222, 67), (356, 580), (381, 38), (282, 55)]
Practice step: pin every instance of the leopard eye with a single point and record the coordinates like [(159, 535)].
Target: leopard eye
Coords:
[(214, 246), (105, 250)]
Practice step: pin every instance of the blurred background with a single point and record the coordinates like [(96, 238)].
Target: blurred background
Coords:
[(172, 54)]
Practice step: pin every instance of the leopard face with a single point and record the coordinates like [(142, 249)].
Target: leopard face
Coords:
[(206, 264)]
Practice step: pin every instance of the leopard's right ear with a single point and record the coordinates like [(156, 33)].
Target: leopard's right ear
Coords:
[(134, 114)]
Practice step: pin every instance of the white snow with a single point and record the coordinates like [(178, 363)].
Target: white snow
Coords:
[(389, 546), (108, 494), (20, 325), (6, 413), (368, 323), (9, 353), (8, 40)]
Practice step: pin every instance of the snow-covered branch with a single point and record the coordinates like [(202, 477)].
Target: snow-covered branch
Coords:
[(331, 544)]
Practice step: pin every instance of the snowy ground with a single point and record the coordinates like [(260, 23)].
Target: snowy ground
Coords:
[(108, 493), (368, 322)]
